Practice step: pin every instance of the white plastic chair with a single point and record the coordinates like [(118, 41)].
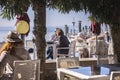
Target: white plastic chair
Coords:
[(115, 75), (26, 70), (71, 52), (102, 51), (69, 62)]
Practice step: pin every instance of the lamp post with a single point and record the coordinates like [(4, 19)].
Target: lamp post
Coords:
[(79, 26), (73, 26)]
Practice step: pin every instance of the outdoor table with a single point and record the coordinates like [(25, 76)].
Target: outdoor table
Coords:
[(85, 73)]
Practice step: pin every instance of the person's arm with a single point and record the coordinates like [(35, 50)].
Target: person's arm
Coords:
[(2, 55), (52, 37), (80, 39)]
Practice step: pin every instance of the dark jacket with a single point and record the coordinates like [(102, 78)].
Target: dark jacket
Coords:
[(63, 42)]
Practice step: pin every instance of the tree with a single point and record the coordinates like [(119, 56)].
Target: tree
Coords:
[(39, 7), (106, 11)]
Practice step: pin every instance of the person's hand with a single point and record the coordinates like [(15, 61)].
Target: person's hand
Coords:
[(57, 42)]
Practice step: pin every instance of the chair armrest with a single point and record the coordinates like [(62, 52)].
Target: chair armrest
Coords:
[(63, 48)]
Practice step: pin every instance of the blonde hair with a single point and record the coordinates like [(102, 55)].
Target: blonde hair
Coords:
[(8, 46)]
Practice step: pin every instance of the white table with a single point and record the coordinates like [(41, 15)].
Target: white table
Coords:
[(83, 73)]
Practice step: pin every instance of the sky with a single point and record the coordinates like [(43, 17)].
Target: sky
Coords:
[(53, 18)]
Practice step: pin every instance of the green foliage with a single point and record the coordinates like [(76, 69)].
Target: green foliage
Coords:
[(106, 11), (65, 6), (10, 8)]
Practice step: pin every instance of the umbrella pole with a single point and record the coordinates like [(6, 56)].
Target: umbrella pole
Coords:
[(97, 50)]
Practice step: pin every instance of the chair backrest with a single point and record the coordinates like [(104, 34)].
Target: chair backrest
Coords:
[(115, 75), (26, 70), (101, 50), (102, 47), (69, 62), (71, 52), (72, 48), (92, 47)]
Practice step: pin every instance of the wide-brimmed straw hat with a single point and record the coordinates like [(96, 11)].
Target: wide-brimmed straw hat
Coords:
[(13, 36)]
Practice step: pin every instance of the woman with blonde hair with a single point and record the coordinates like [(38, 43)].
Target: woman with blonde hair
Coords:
[(12, 50)]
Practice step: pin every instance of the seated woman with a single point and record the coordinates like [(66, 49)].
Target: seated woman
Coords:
[(62, 42), (12, 50), (81, 45)]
